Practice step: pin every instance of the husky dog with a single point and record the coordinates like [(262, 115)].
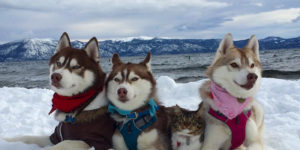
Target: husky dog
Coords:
[(234, 118), (187, 129), (79, 101), (141, 123)]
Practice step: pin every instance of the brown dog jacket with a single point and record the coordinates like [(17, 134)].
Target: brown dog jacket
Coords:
[(96, 133)]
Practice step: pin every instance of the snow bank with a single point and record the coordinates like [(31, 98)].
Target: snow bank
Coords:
[(186, 95), (25, 111)]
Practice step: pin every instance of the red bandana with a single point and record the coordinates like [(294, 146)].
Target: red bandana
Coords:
[(69, 103)]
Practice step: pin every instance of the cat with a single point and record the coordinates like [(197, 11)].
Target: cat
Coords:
[(187, 129)]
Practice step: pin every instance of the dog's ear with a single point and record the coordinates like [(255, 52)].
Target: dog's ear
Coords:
[(116, 59), (253, 45), (224, 45), (92, 49), (63, 42), (147, 61)]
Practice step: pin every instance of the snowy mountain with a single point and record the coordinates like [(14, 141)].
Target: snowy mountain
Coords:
[(37, 49), (28, 49)]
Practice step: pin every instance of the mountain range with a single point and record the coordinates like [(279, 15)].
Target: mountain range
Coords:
[(40, 49)]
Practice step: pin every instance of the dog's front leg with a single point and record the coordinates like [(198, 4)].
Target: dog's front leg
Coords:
[(151, 140), (118, 141), (215, 136), (253, 137), (242, 147), (41, 141), (70, 145)]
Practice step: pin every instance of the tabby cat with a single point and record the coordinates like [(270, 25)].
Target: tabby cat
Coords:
[(187, 129)]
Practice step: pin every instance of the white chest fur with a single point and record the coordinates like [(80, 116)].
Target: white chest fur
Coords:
[(183, 141)]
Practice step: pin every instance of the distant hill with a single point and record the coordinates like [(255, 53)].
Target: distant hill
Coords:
[(39, 49)]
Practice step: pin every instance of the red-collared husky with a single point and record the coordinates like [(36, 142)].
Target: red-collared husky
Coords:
[(79, 101), (141, 122), (234, 118)]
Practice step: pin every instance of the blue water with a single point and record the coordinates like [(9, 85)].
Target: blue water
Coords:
[(283, 64)]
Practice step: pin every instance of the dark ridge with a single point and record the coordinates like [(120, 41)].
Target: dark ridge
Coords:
[(281, 74), (183, 68), (189, 79)]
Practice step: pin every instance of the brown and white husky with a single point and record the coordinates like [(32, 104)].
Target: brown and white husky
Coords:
[(234, 119), (79, 101), (141, 122)]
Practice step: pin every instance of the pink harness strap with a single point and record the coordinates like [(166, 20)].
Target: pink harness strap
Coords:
[(237, 126)]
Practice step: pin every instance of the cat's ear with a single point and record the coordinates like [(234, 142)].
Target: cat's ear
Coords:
[(198, 114), (177, 109)]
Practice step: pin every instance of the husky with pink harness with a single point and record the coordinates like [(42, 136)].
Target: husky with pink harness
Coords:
[(234, 119)]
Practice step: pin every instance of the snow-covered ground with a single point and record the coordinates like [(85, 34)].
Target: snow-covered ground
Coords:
[(25, 111)]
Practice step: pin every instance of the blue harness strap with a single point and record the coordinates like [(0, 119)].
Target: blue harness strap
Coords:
[(137, 122), (70, 118), (130, 131)]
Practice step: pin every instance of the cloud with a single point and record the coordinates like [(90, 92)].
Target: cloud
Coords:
[(281, 16), (105, 27), (108, 18), (112, 19), (106, 5), (259, 4)]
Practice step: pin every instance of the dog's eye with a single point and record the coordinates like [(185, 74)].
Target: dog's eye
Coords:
[(117, 80), (234, 65), (252, 66), (58, 64), (76, 67), (134, 79)]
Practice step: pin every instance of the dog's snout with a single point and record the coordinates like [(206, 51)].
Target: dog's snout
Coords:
[(122, 92), (252, 77), (56, 77)]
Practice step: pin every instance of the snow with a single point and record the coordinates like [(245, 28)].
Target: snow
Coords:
[(9, 49), (25, 111), (38, 46)]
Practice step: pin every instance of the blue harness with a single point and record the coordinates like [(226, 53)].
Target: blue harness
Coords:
[(136, 123)]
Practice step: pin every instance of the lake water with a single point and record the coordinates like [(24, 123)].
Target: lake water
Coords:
[(284, 64)]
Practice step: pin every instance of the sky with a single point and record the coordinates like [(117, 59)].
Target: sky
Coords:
[(119, 19)]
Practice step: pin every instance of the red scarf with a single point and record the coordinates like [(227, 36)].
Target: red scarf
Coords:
[(70, 103)]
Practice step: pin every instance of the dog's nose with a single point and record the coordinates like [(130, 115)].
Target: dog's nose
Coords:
[(56, 77), (122, 92), (252, 77)]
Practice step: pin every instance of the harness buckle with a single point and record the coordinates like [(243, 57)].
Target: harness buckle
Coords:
[(130, 116)]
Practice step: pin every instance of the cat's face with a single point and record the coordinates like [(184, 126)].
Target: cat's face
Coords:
[(184, 120)]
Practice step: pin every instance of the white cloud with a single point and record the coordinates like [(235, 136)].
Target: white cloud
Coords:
[(259, 4), (105, 5), (281, 16), (113, 19), (112, 27)]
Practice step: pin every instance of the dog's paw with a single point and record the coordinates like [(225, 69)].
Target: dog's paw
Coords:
[(70, 145), (242, 147), (41, 141), (15, 139)]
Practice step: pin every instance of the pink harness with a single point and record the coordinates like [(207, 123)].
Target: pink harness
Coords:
[(236, 125), (232, 115)]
